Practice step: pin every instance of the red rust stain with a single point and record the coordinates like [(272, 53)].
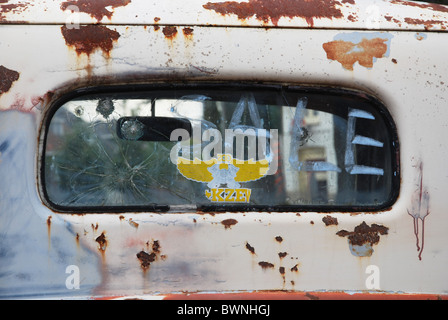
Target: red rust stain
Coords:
[(329, 220), (278, 239), (228, 223), (394, 61), (420, 210), (170, 32), (102, 242), (363, 234), (89, 38), (432, 6), (96, 8), (347, 53), (273, 10), (7, 77), (282, 254)]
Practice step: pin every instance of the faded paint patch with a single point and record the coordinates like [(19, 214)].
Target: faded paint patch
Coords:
[(90, 38), (7, 78), (364, 48), (96, 8), (273, 10), (363, 237)]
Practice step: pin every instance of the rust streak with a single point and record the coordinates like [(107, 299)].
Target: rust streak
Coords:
[(89, 38), (347, 53), (273, 10), (250, 248), (7, 77), (95, 8), (102, 242)]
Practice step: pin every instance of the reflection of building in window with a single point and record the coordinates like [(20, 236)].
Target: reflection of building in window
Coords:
[(318, 146)]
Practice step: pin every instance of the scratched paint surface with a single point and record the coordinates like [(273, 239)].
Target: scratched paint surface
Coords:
[(150, 253)]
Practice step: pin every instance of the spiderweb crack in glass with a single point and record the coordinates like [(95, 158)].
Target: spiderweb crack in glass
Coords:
[(94, 155)]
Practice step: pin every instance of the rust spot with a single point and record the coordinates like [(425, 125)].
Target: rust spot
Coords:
[(273, 10), (364, 234), (188, 32), (133, 223), (250, 248), (347, 53), (156, 19), (77, 239), (170, 32), (329, 220), (94, 226), (394, 61), (146, 258), (282, 254), (102, 242), (281, 270), (121, 217), (96, 8), (228, 223), (278, 239), (7, 77), (265, 264), (295, 268), (89, 38)]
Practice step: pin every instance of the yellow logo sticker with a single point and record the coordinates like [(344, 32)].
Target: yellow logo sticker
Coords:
[(223, 176)]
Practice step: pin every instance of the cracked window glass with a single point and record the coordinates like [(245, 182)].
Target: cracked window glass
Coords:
[(221, 148)]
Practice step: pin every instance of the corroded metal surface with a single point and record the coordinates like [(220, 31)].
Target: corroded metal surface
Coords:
[(153, 253), (338, 14)]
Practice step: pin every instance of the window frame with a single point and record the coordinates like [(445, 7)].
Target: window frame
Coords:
[(212, 207)]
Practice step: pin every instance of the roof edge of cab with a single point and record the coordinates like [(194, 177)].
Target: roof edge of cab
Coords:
[(319, 14)]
